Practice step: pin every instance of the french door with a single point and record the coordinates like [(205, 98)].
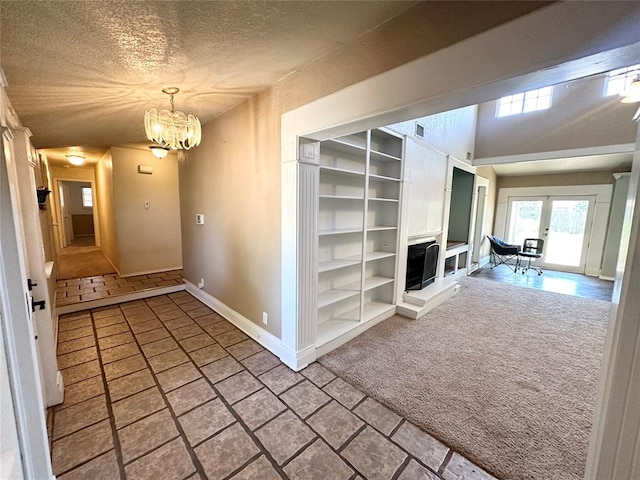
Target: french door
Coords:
[(563, 222)]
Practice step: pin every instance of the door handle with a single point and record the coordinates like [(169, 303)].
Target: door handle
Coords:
[(39, 304), (30, 284)]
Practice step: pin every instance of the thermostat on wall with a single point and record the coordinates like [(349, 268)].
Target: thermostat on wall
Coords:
[(145, 169)]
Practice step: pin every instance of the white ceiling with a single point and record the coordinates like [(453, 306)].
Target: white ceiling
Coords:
[(82, 73)]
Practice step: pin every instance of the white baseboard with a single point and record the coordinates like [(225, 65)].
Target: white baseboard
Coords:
[(149, 272), (592, 272), (294, 360), (604, 277)]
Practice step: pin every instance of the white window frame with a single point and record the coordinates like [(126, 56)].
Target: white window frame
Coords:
[(85, 203), (525, 102), (617, 81)]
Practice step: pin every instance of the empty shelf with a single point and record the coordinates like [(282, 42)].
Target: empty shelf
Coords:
[(337, 263), (334, 296)]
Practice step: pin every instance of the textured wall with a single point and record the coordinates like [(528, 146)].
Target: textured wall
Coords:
[(579, 117), (148, 239), (233, 178)]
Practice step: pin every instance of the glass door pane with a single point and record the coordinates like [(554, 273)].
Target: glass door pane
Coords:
[(524, 220), (565, 236)]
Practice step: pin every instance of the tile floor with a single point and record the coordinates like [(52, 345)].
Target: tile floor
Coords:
[(165, 388), (79, 290)]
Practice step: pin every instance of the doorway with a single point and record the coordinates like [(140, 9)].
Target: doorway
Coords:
[(563, 222), (76, 213)]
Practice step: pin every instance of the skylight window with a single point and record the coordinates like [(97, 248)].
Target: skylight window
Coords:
[(531, 101), (619, 80)]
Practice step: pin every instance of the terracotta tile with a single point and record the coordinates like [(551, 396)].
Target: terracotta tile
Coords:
[(137, 406), (78, 416), (335, 424), (378, 416), (180, 297), (261, 362), (373, 455), (459, 468), (146, 434), (346, 394), (244, 349), (81, 372), (208, 354), (318, 374), (165, 307), (421, 445), (77, 357), (69, 300), (226, 452), (190, 396), (74, 449), (210, 319), (169, 315), (305, 398), (115, 340), (280, 378), (169, 462), (196, 342), (75, 345), (141, 317), (177, 376), (81, 391), (205, 421), (123, 367), (178, 322), (142, 327), (133, 306), (105, 312), (199, 312), (111, 330), (318, 461), (69, 317), (230, 338), (124, 386), (108, 321), (159, 300), (187, 331), (239, 386), (167, 360), (152, 335), (221, 369), (104, 467), (259, 408), (284, 436), (158, 347), (415, 471), (219, 328), (118, 353), (75, 333), (73, 324), (258, 469)]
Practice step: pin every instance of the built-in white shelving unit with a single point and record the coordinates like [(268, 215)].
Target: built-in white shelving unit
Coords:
[(358, 219)]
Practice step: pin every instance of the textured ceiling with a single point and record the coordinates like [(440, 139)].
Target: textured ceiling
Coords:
[(82, 73)]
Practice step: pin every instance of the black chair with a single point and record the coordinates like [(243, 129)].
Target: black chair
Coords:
[(531, 250), (503, 253)]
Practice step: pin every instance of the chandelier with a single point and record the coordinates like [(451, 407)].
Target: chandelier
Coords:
[(172, 129)]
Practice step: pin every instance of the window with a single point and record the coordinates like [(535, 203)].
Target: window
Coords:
[(619, 80), (539, 99), (87, 197)]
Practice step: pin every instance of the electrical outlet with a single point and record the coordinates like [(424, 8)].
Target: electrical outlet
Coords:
[(147, 205), (265, 318), (386, 244), (201, 283)]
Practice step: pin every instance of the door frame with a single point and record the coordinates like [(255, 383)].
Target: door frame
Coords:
[(59, 220), (603, 195)]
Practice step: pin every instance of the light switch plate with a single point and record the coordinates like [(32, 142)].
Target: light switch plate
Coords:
[(199, 219)]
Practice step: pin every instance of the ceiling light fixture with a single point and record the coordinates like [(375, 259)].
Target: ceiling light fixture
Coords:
[(632, 93), (75, 159), (172, 129), (158, 151)]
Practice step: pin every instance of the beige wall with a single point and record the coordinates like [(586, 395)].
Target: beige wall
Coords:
[(233, 178), (492, 197), (106, 214), (557, 179), (579, 117), (149, 240)]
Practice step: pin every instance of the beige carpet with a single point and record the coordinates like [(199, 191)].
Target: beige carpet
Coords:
[(79, 262), (505, 375)]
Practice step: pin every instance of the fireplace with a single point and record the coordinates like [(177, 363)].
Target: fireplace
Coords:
[(422, 261)]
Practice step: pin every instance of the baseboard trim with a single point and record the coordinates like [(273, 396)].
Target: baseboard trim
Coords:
[(604, 277), (125, 297), (294, 360)]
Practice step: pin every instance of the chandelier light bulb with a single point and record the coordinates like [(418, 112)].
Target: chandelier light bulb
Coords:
[(158, 151)]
